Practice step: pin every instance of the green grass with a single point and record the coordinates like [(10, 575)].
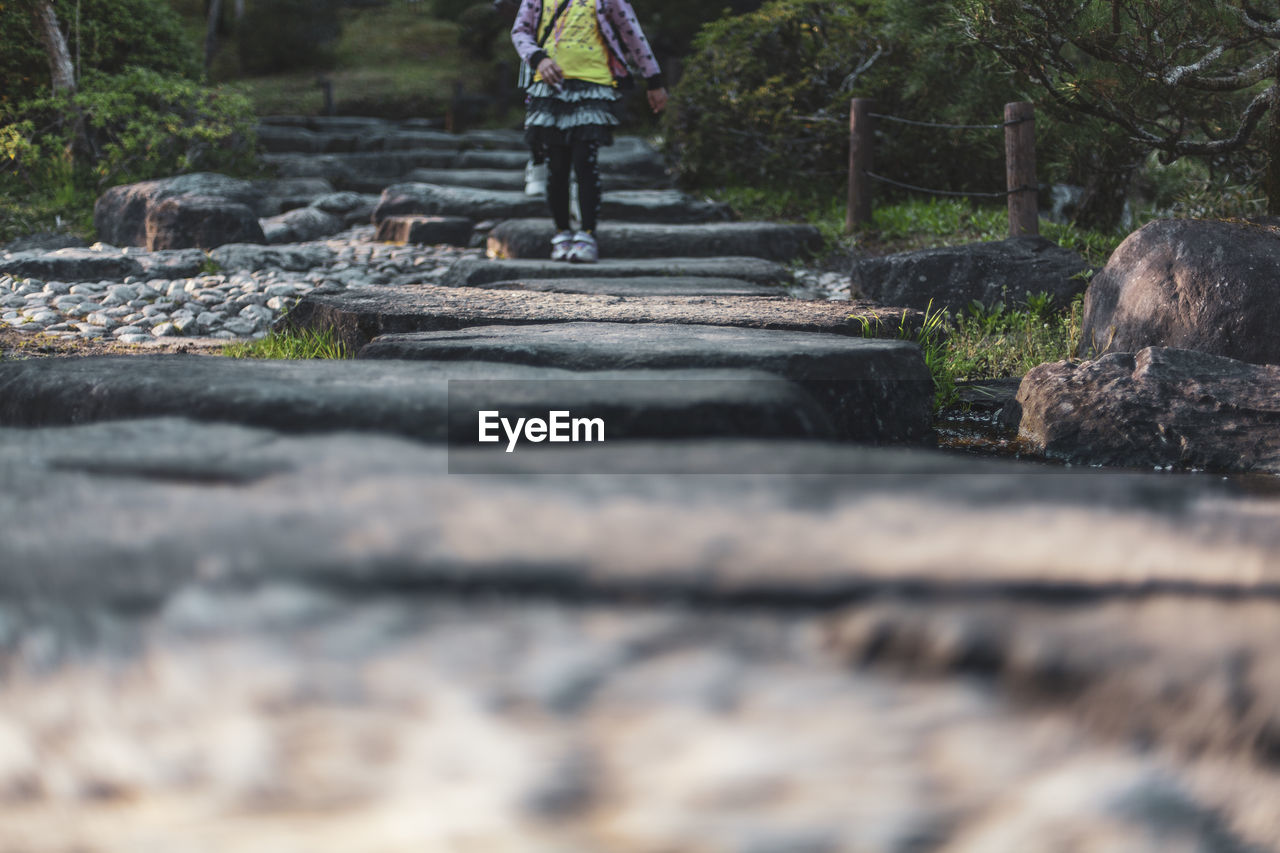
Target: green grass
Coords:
[(986, 342), (305, 343)]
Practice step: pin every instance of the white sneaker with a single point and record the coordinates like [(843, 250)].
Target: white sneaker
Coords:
[(561, 245), (584, 250), (535, 178)]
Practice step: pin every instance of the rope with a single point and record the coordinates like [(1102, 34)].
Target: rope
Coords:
[(1004, 194), (950, 126)]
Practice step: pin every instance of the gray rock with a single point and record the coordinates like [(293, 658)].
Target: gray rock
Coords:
[(639, 286), (342, 203), (282, 194), (70, 265), (845, 521), (360, 314), (177, 263), (253, 257), (46, 241), (626, 205), (424, 402), (277, 139), (475, 272), (1159, 407), (120, 214), (426, 230), (301, 225), (874, 390), (1189, 284), (339, 169), (631, 161), (531, 238), (1002, 272), (512, 180), (205, 222)]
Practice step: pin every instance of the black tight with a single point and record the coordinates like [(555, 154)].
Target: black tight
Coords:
[(584, 159)]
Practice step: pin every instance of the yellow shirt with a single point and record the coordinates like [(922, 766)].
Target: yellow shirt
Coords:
[(575, 42)]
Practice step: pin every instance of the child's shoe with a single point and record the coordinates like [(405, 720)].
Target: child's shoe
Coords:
[(561, 246), (584, 250)]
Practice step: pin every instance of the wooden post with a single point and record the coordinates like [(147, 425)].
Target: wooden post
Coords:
[(862, 142), (1020, 167)]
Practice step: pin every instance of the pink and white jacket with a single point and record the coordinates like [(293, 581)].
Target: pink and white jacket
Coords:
[(618, 25)]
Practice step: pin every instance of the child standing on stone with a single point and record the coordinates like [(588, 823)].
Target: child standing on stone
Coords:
[(576, 49)]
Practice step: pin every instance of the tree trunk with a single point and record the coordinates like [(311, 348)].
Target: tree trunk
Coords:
[(1273, 150), (61, 70), (211, 34)]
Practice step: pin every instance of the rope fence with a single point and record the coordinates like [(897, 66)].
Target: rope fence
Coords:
[(1020, 163)]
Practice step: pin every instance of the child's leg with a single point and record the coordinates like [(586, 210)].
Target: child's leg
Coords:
[(586, 164), (558, 164)]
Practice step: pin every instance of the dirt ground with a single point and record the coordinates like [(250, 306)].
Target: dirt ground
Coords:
[(20, 345)]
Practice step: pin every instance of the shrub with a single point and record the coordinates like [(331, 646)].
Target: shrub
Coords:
[(765, 97), (137, 125), (110, 35), (283, 35)]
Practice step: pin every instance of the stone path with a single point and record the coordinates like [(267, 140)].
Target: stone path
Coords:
[(288, 606)]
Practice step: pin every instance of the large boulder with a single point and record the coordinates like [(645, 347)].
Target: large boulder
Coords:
[(1159, 407), (120, 215), (198, 221), (1191, 284), (951, 277)]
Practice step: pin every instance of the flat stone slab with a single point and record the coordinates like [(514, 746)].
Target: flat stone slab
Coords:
[(360, 314), (873, 390), (70, 265), (251, 256), (652, 285), (513, 179), (531, 238), (142, 507), (431, 402), (478, 204), (477, 272)]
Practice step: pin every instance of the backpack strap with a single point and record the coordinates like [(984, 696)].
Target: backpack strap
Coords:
[(552, 22)]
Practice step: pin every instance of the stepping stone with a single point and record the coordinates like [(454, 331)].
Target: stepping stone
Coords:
[(171, 264), (874, 390), (132, 511), (423, 401), (70, 265), (360, 314), (478, 272), (478, 204), (531, 238), (633, 162), (291, 258), (426, 230), (512, 180), (640, 286)]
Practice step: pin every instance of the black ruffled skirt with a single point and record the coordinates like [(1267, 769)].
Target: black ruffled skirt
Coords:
[(579, 111)]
